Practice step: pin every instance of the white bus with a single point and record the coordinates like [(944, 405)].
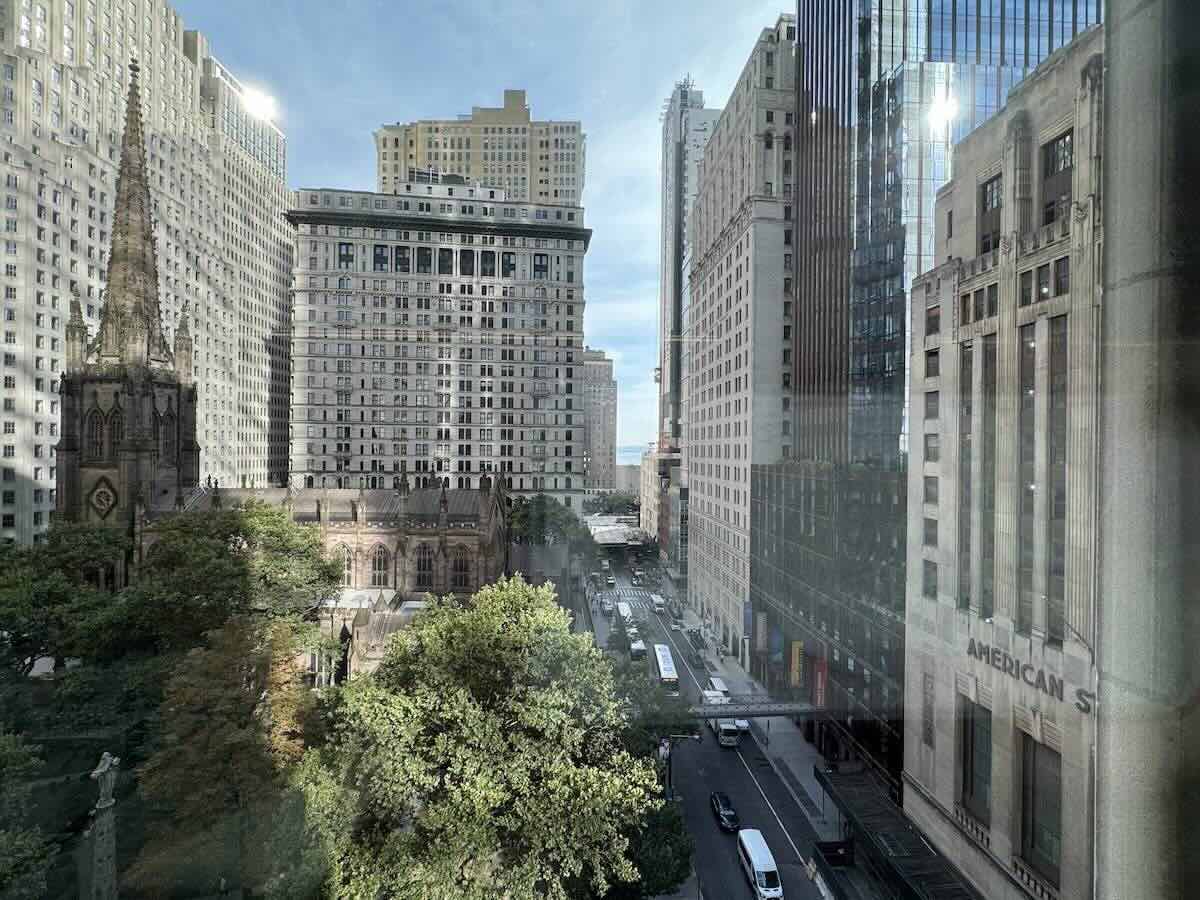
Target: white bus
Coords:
[(666, 669), (660, 603), (625, 613)]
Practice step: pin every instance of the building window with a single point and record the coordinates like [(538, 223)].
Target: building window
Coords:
[(932, 364), (975, 757), (1056, 525), (932, 447), (931, 532), (931, 404), (95, 435), (460, 571), (1043, 282), (116, 432), (380, 561), (1062, 276), (466, 262), (1027, 473), (927, 707), (989, 215), (933, 320), (980, 304), (1026, 288), (1057, 169), (949, 224), (931, 489), (347, 567), (929, 579), (1041, 808), (993, 299), (964, 312), (424, 567)]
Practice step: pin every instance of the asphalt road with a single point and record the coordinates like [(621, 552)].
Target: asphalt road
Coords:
[(744, 774)]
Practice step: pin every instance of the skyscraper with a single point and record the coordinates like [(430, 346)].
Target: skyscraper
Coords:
[(885, 90), (599, 421), (739, 329), (217, 167), (438, 331), (501, 147)]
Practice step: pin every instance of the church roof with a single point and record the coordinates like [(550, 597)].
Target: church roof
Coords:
[(130, 320)]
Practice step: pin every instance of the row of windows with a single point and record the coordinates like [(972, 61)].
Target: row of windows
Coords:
[(381, 574)]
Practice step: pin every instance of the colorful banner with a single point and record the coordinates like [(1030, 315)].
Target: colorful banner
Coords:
[(760, 632), (820, 675), (797, 668)]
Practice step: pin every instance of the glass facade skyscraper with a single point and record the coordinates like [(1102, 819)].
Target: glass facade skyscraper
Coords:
[(885, 88)]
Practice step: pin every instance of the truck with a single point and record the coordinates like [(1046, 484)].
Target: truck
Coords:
[(660, 604), (726, 730)]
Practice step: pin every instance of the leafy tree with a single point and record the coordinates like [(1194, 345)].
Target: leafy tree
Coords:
[(661, 848), (543, 520), (482, 759), (652, 712), (233, 724), (44, 592), (24, 853)]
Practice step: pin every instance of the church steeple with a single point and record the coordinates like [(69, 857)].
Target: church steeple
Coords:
[(130, 321)]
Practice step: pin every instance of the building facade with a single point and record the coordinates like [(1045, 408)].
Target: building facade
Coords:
[(686, 126), (741, 275), (831, 594), (225, 251), (649, 491), (629, 479), (438, 331), (504, 147), (599, 422), (1003, 493)]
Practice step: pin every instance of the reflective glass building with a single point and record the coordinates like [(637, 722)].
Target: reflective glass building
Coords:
[(884, 89)]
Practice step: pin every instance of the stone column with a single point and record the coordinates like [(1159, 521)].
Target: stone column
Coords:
[(1148, 741)]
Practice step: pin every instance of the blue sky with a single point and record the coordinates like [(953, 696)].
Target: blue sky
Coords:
[(340, 69)]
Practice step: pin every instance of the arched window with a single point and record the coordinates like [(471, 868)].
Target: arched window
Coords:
[(460, 570), (379, 567), (424, 566), (95, 435), (347, 567), (168, 438), (116, 432)]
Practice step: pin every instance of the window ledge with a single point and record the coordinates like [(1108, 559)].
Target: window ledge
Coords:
[(1032, 881), (978, 831)]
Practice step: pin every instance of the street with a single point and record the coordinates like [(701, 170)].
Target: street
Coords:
[(758, 795)]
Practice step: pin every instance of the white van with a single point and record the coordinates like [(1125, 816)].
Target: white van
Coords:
[(718, 685), (759, 865)]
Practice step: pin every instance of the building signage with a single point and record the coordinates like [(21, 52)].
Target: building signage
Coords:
[(1046, 682), (797, 670), (820, 673)]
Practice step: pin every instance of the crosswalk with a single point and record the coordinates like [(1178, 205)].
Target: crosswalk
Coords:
[(637, 598)]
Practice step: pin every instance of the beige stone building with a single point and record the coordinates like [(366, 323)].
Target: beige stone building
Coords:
[(738, 329), (500, 147), (1001, 605), (600, 422), (438, 331)]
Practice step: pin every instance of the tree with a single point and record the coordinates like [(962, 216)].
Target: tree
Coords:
[(233, 724), (661, 848), (45, 593), (543, 520), (24, 853), (482, 759), (652, 712)]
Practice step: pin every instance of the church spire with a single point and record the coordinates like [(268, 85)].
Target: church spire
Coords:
[(130, 322)]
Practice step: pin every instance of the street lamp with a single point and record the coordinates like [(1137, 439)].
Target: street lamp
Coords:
[(666, 747)]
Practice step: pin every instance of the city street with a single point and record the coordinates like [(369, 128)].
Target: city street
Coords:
[(744, 774)]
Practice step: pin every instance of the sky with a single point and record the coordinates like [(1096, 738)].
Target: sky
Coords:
[(340, 69)]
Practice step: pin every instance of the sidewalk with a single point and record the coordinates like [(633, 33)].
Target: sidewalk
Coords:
[(783, 744)]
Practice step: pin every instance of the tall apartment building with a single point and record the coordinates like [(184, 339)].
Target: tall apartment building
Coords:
[(738, 325), (217, 182), (1003, 493), (497, 147), (834, 592), (599, 422), (438, 331), (686, 126)]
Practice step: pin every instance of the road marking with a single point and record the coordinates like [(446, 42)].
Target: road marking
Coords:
[(796, 849)]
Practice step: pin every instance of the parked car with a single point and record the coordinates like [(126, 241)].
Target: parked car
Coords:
[(743, 725), (722, 807)]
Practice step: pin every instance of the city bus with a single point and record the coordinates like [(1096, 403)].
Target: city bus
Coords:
[(666, 669)]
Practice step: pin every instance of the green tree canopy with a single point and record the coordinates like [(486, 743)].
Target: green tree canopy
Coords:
[(615, 504), (24, 853), (481, 760)]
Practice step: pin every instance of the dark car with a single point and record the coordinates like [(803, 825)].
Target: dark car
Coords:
[(722, 808)]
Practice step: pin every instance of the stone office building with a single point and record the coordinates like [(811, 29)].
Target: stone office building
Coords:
[(1002, 507), (438, 331)]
